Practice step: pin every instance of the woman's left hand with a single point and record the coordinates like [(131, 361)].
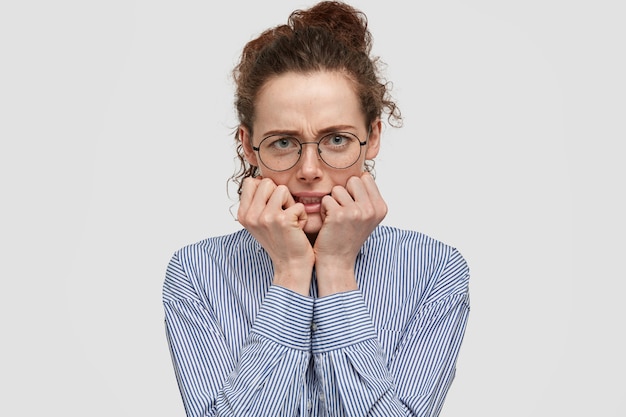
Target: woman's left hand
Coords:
[(349, 216)]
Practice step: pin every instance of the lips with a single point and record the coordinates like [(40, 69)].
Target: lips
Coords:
[(312, 202), (308, 200)]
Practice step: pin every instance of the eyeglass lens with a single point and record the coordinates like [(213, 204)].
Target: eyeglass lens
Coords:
[(338, 150)]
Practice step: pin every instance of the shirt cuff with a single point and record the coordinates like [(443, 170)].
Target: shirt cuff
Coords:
[(340, 320), (285, 318)]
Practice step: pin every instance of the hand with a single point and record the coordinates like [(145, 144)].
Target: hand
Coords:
[(269, 212), (349, 216)]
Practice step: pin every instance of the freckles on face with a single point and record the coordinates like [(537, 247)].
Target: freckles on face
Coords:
[(306, 106)]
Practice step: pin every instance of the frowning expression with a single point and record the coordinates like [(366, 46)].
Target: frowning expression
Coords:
[(307, 107)]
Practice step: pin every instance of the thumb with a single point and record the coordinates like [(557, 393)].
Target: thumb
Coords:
[(327, 204), (302, 216), (299, 214)]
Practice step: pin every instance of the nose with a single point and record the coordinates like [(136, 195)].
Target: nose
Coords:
[(309, 166)]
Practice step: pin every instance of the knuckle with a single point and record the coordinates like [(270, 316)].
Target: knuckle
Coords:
[(266, 218), (248, 182), (244, 220), (282, 189), (269, 218), (383, 208), (267, 182), (369, 212)]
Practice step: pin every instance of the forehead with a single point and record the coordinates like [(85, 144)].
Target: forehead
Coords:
[(307, 103)]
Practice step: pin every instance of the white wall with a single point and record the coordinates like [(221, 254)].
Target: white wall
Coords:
[(115, 122)]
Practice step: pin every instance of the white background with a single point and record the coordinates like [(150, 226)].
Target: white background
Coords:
[(115, 128)]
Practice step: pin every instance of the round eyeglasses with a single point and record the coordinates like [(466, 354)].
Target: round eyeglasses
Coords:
[(339, 150)]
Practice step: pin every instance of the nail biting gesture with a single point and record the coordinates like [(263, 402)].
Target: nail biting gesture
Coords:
[(349, 215), (269, 212)]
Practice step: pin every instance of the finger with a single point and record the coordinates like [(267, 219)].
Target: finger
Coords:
[(371, 187), (375, 197), (366, 196), (257, 198), (248, 188), (357, 189), (282, 205), (340, 195), (288, 200), (299, 213), (329, 203), (281, 198)]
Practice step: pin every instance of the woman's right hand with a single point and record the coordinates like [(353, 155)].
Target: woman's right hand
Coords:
[(269, 212)]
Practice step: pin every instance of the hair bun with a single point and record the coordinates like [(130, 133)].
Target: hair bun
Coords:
[(346, 23)]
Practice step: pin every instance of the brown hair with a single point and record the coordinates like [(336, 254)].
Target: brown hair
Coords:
[(330, 36)]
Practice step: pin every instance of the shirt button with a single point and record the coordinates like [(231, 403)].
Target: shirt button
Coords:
[(314, 327)]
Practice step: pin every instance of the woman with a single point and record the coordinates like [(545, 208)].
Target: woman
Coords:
[(314, 308)]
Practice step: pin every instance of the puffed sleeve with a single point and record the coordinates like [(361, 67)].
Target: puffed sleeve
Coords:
[(266, 374), (359, 378)]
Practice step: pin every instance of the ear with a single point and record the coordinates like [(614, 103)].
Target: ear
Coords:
[(373, 143), (246, 143)]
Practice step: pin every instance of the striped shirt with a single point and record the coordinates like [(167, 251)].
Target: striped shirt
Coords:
[(244, 347)]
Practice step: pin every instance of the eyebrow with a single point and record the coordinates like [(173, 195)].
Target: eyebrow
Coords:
[(322, 132)]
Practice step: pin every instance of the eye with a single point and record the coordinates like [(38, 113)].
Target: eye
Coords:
[(282, 144), (337, 140)]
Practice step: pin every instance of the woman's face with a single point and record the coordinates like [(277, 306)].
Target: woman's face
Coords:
[(308, 106)]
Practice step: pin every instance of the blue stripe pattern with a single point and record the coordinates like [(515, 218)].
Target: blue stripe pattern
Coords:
[(241, 346)]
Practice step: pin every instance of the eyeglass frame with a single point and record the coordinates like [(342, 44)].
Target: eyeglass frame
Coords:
[(319, 152)]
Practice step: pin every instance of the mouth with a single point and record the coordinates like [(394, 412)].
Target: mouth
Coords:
[(312, 203), (308, 200)]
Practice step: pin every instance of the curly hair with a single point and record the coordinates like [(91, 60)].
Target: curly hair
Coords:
[(330, 36)]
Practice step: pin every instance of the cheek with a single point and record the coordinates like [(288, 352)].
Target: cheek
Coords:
[(279, 178), (341, 178)]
